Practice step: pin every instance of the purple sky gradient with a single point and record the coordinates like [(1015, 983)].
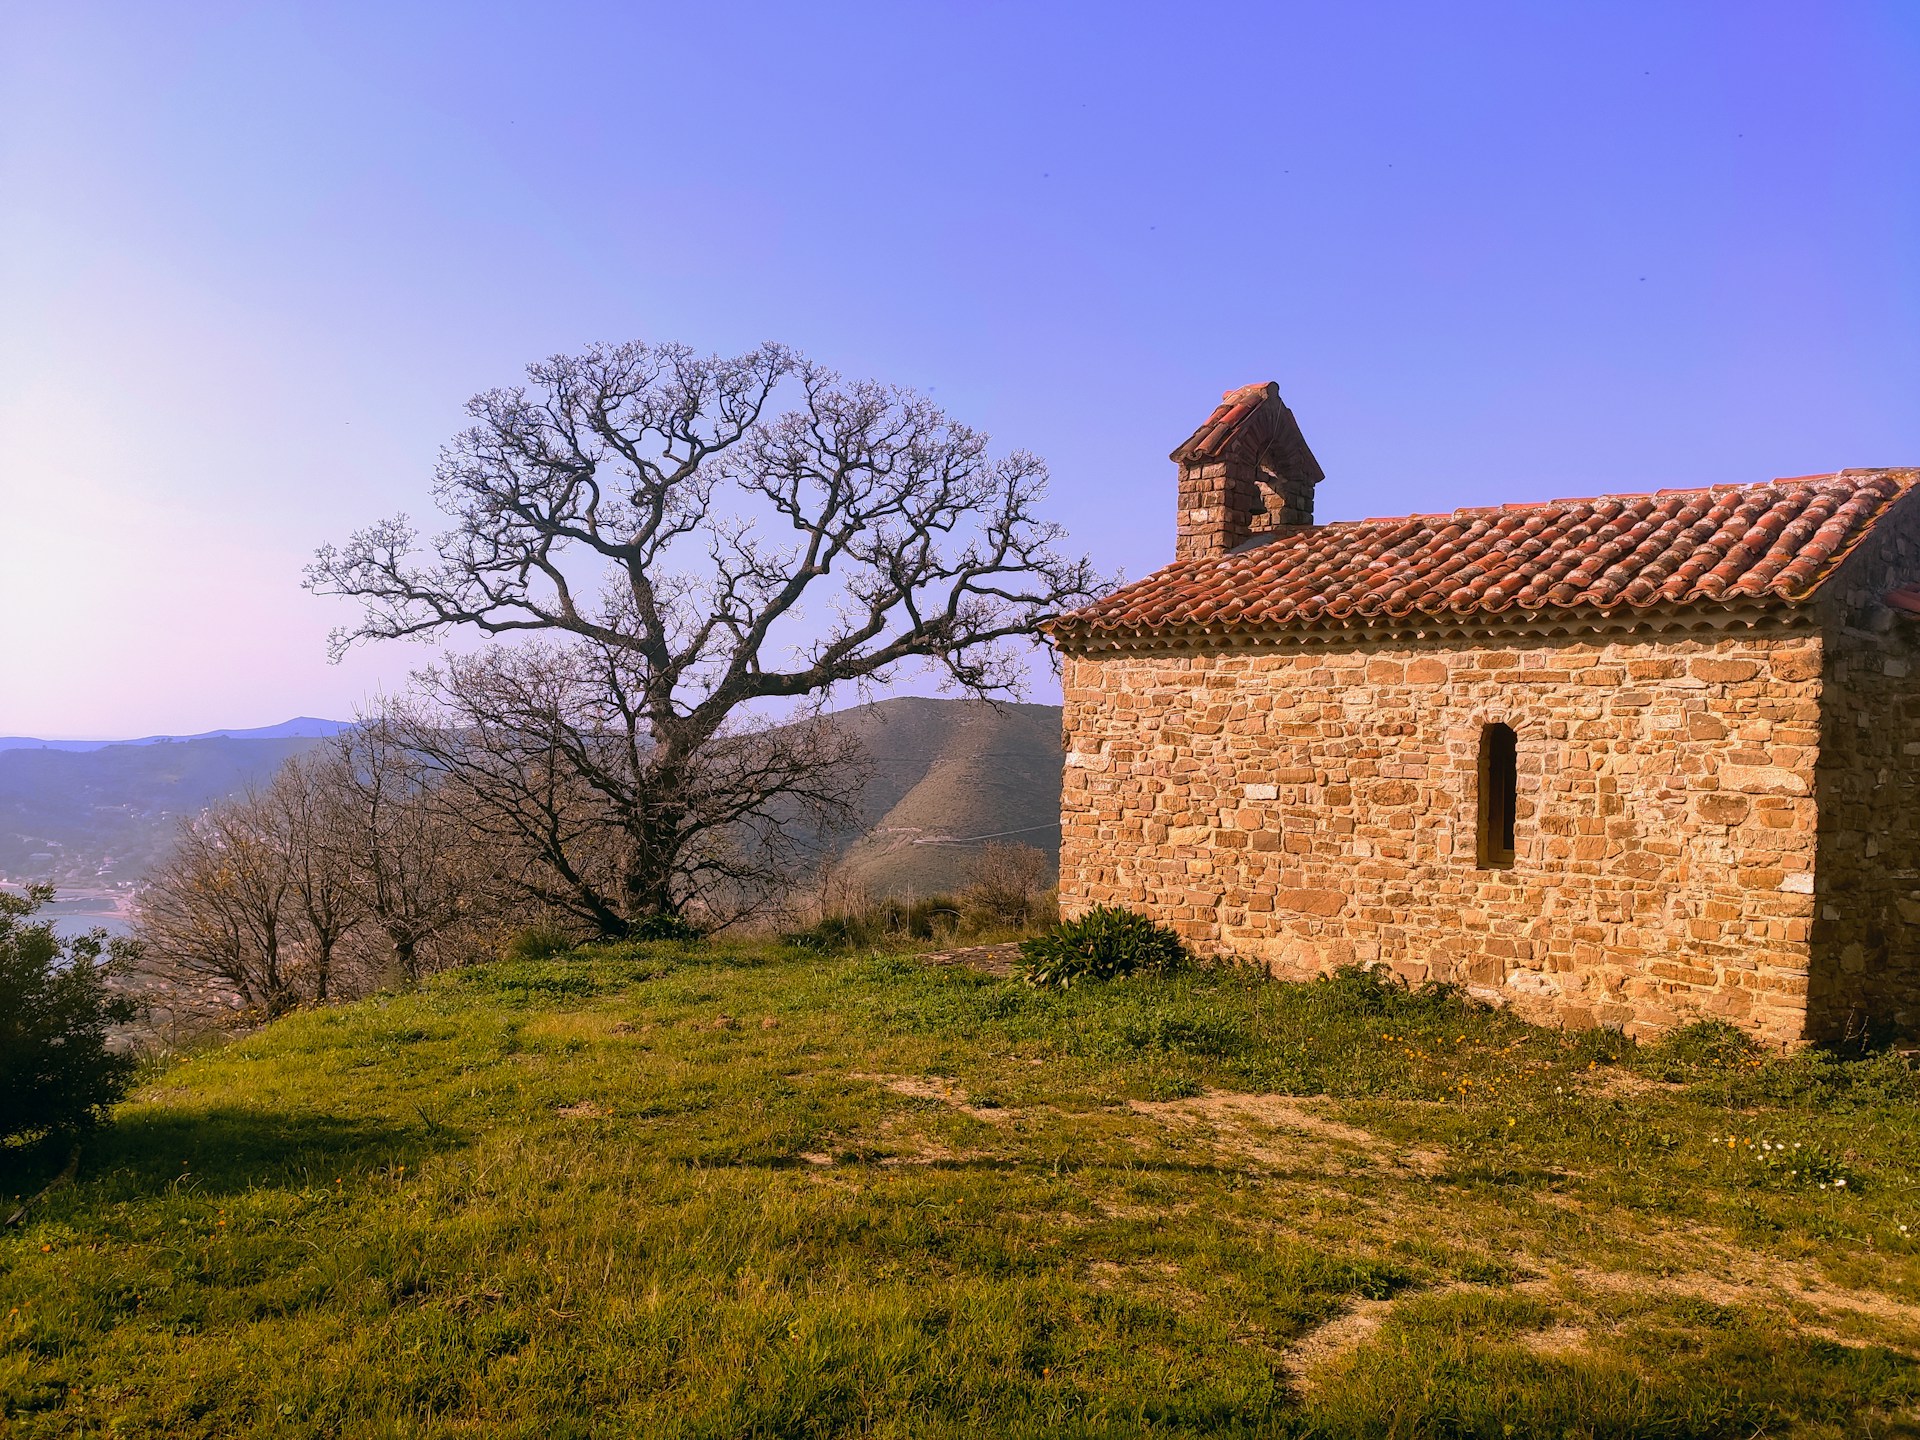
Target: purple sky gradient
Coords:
[(253, 258)]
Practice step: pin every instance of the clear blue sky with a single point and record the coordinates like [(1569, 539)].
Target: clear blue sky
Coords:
[(253, 258)]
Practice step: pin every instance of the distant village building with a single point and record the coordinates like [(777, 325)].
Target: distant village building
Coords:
[(1635, 760)]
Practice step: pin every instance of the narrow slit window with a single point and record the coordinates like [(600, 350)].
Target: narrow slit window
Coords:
[(1499, 780)]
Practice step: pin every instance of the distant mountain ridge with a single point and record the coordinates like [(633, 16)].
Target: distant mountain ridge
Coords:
[(100, 818), (945, 777), (301, 727)]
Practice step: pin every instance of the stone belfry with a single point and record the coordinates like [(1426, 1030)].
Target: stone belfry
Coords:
[(1245, 472)]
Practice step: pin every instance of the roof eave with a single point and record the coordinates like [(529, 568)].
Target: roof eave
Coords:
[(1746, 613)]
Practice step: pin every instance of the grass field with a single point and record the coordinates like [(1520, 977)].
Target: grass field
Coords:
[(735, 1191)]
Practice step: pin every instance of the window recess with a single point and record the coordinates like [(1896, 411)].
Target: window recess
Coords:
[(1499, 784)]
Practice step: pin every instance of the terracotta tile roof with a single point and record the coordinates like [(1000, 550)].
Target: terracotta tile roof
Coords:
[(1218, 432), (1253, 423), (1773, 542)]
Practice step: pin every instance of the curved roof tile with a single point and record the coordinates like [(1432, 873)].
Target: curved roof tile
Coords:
[(1776, 541)]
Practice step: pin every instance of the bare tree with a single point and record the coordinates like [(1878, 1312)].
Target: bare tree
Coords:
[(216, 911), (306, 806), (353, 853), (408, 859), (706, 538), (549, 755)]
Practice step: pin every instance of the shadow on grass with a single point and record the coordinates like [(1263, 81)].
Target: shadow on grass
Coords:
[(231, 1148), (890, 1162), (1450, 1367)]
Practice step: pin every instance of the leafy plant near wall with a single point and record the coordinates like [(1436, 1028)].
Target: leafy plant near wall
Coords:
[(1102, 944)]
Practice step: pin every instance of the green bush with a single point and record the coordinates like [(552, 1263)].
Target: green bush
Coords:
[(1103, 943), (537, 942), (56, 1072), (1377, 993), (933, 917), (662, 927), (832, 935), (1703, 1048)]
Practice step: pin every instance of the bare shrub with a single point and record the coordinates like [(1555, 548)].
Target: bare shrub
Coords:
[(354, 869), (304, 810), (216, 913), (1007, 884), (411, 856)]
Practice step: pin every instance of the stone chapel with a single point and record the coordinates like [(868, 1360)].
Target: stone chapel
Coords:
[(1638, 760)]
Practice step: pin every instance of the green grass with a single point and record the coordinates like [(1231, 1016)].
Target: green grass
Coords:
[(553, 1198)]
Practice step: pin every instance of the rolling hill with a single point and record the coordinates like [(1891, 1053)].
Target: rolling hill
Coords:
[(945, 776), (948, 776)]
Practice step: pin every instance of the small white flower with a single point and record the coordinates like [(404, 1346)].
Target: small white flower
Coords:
[(1840, 1184)]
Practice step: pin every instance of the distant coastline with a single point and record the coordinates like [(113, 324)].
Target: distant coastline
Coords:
[(76, 912), (79, 911), (301, 727)]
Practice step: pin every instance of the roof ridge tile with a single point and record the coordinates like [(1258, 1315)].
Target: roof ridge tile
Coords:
[(1775, 540)]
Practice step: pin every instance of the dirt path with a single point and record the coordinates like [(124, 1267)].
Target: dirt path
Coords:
[(996, 960), (1236, 1120)]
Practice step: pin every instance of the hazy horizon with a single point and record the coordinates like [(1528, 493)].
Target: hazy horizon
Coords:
[(343, 722), (214, 732), (256, 257)]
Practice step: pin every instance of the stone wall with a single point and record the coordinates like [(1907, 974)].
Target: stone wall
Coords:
[(1866, 975), (1313, 808), (1246, 470), (1218, 503)]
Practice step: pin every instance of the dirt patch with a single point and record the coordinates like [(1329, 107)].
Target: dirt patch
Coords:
[(1231, 1116), (933, 1087), (1342, 1335), (997, 960), (1557, 1340), (932, 1152), (1117, 1210), (582, 1110), (1613, 1080), (1157, 1280), (1749, 1279), (1361, 1320)]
